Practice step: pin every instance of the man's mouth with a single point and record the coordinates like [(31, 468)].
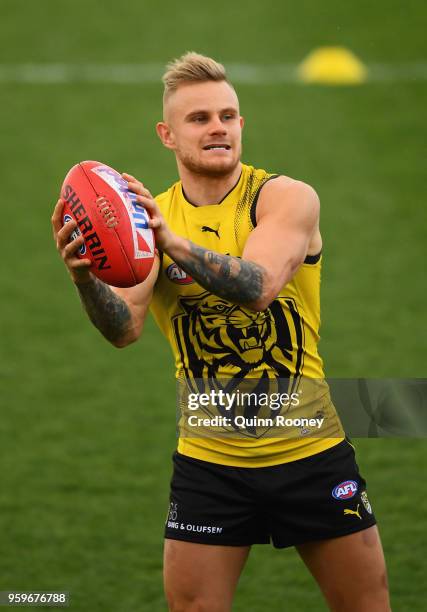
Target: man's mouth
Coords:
[(219, 147)]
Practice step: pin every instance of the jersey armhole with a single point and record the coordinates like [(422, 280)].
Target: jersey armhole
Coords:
[(252, 210), (310, 259), (313, 259)]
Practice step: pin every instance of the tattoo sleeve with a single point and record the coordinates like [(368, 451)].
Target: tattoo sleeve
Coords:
[(107, 311), (229, 277)]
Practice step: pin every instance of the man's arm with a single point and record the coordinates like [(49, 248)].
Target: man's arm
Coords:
[(287, 231), (119, 314), (287, 226)]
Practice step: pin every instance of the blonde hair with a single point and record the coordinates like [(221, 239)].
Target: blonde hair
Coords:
[(191, 68)]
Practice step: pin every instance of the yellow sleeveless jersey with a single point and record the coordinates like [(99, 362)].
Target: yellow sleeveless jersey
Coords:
[(213, 339)]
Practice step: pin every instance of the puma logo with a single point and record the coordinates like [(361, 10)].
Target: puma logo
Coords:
[(206, 228), (356, 512)]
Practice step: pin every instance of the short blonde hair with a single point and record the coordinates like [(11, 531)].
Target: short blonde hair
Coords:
[(191, 68)]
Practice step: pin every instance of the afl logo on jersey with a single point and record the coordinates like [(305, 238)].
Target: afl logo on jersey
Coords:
[(177, 275), (345, 490)]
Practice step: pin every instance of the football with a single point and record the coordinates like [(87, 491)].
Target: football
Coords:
[(116, 235)]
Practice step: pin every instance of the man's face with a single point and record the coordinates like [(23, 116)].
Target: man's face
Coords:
[(204, 128)]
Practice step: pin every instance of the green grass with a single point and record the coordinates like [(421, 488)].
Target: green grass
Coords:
[(86, 431)]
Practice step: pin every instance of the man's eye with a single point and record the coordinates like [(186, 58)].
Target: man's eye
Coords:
[(228, 117), (198, 119)]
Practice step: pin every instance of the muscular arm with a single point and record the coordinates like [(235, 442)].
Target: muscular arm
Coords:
[(119, 314), (107, 311), (229, 277)]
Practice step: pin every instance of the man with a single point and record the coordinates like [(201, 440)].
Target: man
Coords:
[(236, 292)]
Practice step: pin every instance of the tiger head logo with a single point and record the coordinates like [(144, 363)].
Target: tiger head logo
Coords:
[(232, 332), (215, 333)]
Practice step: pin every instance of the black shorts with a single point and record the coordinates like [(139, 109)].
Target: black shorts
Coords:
[(319, 497)]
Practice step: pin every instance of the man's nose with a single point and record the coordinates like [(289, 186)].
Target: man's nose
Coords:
[(217, 126)]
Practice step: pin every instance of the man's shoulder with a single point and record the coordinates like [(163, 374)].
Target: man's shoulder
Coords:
[(284, 199), (290, 188), (276, 181)]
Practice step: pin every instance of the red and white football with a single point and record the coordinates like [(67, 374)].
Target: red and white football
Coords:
[(116, 235)]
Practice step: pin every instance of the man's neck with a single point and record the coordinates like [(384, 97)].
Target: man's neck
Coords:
[(204, 190)]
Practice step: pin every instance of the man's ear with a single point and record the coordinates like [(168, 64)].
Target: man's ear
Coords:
[(165, 135), (242, 123)]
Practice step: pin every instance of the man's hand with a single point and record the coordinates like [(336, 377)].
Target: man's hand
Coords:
[(164, 236), (79, 269), (119, 314)]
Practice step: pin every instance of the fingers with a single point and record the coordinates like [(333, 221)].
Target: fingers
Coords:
[(145, 200), (155, 218), (56, 219), (149, 203), (135, 185), (70, 257), (68, 246), (129, 177), (81, 264), (154, 222), (144, 197), (72, 247), (139, 189), (64, 234), (79, 269)]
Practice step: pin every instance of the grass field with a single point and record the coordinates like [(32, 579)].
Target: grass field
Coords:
[(86, 431)]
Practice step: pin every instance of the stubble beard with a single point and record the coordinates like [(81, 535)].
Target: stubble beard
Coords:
[(221, 169)]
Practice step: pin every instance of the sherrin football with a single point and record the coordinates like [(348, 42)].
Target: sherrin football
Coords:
[(116, 235)]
